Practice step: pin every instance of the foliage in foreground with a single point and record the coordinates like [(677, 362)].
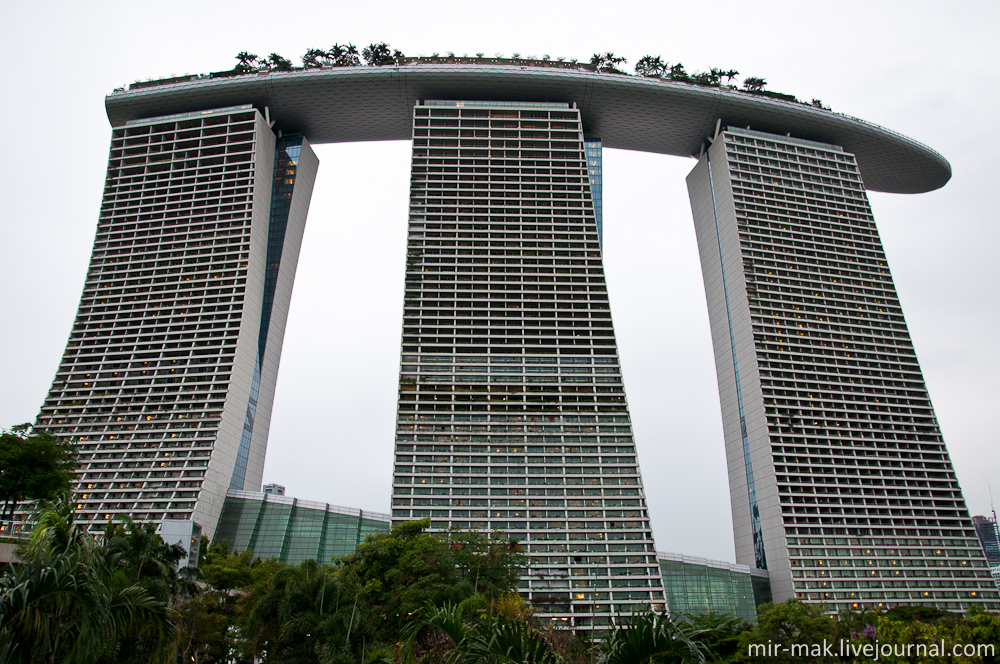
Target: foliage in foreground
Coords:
[(795, 628), (71, 600), (345, 612), (402, 597), (653, 637)]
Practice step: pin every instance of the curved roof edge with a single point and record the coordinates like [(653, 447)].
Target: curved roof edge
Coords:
[(346, 104)]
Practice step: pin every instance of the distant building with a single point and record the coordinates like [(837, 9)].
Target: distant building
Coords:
[(292, 530), (274, 489), (986, 528), (698, 585)]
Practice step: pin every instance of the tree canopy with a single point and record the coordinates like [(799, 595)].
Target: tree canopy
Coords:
[(34, 465), (649, 66), (69, 601), (404, 597)]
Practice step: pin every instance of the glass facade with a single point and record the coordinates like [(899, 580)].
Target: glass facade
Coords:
[(292, 530), (989, 537), (286, 158), (698, 585), (592, 149)]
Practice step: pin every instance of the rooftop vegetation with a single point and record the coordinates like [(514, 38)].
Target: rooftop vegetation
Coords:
[(381, 54)]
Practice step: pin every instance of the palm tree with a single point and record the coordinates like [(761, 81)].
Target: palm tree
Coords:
[(344, 55), (63, 603), (608, 62), (651, 66), (754, 84), (351, 58), (247, 62), (376, 55), (314, 58), (303, 611), (492, 639), (677, 73), (279, 63), (652, 637)]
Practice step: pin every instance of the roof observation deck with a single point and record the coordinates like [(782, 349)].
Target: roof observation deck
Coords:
[(347, 104)]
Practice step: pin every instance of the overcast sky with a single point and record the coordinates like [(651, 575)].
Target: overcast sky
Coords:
[(924, 69)]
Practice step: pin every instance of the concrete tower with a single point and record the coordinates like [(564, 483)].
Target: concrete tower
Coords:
[(167, 380), (840, 482), (512, 413)]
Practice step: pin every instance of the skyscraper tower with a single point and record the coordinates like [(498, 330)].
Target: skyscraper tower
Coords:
[(989, 538), (512, 413), (841, 485), (168, 377)]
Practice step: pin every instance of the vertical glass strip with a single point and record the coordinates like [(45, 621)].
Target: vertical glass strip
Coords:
[(592, 148), (758, 537), (286, 159)]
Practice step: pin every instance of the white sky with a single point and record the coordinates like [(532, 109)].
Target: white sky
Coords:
[(924, 69)]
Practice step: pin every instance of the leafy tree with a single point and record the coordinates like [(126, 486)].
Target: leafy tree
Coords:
[(651, 66), (399, 572), (703, 78), (204, 631), (652, 637), (729, 75), (980, 627), (908, 612), (818, 103), (908, 637), (301, 612), (227, 572), (344, 55), (790, 623), (377, 55), (754, 84), (208, 622), (677, 73), (492, 563), (34, 465), (608, 63), (314, 58)]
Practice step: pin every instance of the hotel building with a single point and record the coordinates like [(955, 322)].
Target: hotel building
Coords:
[(512, 413), (840, 482), (511, 406)]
